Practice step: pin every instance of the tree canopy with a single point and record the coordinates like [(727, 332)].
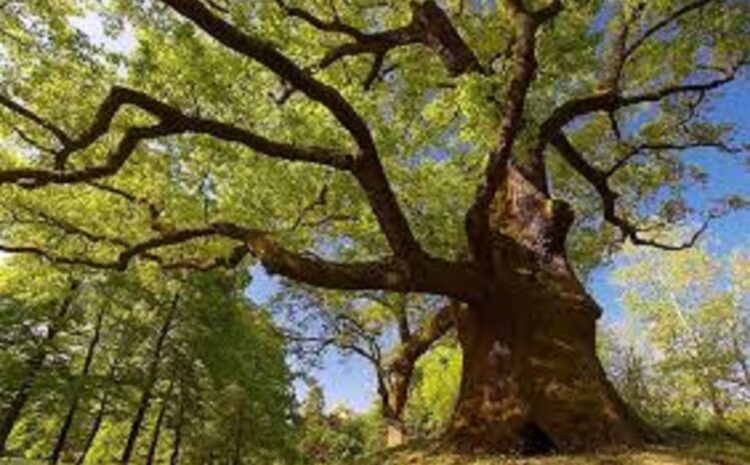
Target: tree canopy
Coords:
[(353, 132), (479, 156)]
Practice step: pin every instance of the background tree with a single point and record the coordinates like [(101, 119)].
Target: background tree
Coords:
[(388, 332), (460, 137), (124, 338), (335, 435), (689, 335)]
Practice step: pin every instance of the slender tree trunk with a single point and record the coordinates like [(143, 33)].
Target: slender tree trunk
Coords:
[(95, 427), (174, 458), (34, 367), (395, 379), (531, 380), (393, 395), (68, 422), (157, 427), (237, 454), (147, 392)]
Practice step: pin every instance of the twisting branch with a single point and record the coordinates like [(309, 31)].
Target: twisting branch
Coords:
[(665, 146), (153, 210), (172, 121), (430, 26), (432, 275), (663, 23), (599, 180), (42, 217), (38, 177), (611, 101), (21, 110)]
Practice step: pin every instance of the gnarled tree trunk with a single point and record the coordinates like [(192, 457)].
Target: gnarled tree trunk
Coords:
[(531, 379)]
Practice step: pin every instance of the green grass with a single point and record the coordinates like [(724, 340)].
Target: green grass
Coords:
[(686, 449), (700, 451)]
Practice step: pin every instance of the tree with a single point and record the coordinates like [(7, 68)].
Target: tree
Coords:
[(434, 148), (335, 437), (34, 365), (89, 372), (389, 332), (689, 334), (85, 371)]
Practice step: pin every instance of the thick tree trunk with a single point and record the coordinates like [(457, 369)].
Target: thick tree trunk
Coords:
[(34, 367), (531, 379), (147, 394), (68, 421)]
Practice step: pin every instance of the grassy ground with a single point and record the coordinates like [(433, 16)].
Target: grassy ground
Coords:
[(685, 450), (702, 452)]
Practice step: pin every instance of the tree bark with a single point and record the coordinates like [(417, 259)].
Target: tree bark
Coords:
[(393, 396), (157, 427), (147, 392), (174, 458), (95, 427), (531, 380), (68, 422), (35, 365), (394, 379)]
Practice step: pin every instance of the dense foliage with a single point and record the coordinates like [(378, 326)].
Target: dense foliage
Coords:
[(144, 367), (681, 355)]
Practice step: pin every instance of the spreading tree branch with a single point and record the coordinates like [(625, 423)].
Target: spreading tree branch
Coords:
[(368, 168), (431, 275), (599, 180)]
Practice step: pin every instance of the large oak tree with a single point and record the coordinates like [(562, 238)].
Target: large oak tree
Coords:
[(445, 148)]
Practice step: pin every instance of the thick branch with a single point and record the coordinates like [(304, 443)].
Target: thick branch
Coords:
[(430, 275), (429, 26), (368, 167), (523, 71)]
